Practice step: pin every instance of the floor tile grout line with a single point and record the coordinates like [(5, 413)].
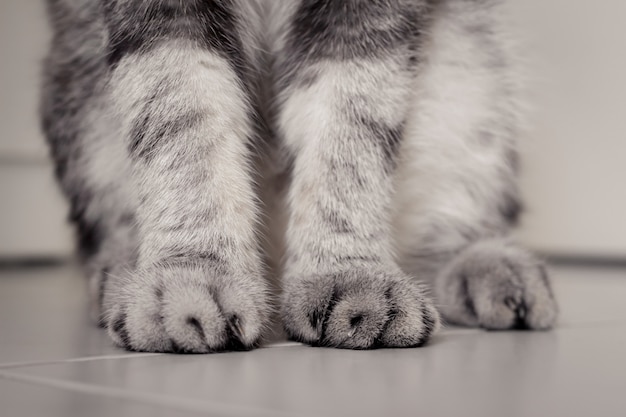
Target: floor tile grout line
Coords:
[(283, 345), (287, 344), (26, 364), (176, 403)]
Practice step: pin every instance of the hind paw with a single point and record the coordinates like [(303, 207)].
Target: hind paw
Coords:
[(496, 285)]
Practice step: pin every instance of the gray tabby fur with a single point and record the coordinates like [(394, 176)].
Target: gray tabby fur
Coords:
[(360, 151)]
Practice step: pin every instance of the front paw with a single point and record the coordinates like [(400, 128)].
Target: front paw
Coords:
[(496, 285), (358, 309), (186, 309)]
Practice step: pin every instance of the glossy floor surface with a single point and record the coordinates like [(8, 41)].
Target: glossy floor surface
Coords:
[(53, 362)]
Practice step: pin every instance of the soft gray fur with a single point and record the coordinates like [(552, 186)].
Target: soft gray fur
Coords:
[(361, 151)]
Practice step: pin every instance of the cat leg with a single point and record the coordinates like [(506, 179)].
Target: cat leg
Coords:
[(457, 198), (181, 90), (90, 163), (345, 71)]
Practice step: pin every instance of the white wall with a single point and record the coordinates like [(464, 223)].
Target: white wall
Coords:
[(575, 163), (575, 158), (32, 214)]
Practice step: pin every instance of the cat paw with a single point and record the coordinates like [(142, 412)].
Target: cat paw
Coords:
[(108, 264), (98, 274), (358, 309), (186, 309), (497, 286)]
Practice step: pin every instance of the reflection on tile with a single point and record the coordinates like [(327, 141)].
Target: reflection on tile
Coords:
[(19, 399), (62, 365), (590, 295), (43, 316), (461, 373), (43, 312)]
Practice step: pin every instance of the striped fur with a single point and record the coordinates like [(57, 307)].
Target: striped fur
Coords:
[(359, 151)]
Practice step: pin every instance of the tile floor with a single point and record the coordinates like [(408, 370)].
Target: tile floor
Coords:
[(53, 363)]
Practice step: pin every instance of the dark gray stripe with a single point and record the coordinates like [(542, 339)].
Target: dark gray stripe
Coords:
[(151, 129), (138, 25), (351, 29), (347, 30)]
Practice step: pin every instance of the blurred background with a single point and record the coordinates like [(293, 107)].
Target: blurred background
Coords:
[(574, 155)]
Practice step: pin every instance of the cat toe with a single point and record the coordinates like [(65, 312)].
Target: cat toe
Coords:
[(358, 310), (188, 310), (497, 288)]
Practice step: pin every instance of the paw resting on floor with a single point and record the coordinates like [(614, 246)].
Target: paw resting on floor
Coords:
[(496, 285), (186, 309), (358, 309)]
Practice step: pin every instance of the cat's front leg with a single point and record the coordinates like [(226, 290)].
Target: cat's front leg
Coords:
[(179, 92), (347, 69)]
